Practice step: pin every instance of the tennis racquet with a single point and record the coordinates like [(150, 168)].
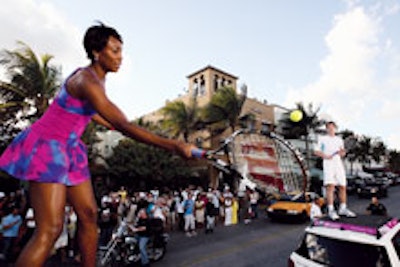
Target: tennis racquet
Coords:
[(349, 143), (264, 160)]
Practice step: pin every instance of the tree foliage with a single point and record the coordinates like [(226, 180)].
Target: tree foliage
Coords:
[(301, 129), (224, 109), (181, 119), (140, 166), (394, 161), (353, 151), (309, 122), (90, 138), (379, 150), (31, 81), (365, 149)]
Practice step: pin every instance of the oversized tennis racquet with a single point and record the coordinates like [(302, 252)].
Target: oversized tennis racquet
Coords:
[(266, 160)]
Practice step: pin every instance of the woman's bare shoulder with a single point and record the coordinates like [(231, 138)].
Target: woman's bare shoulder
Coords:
[(80, 82)]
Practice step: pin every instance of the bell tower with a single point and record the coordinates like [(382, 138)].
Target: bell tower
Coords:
[(205, 82)]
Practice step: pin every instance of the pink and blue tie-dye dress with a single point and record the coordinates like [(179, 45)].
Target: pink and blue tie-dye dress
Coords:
[(51, 151)]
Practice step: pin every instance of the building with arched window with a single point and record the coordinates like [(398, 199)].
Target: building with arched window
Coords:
[(202, 85)]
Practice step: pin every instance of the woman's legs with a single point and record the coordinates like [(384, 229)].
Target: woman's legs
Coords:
[(81, 197), (48, 202)]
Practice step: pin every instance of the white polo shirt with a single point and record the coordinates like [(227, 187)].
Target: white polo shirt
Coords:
[(334, 172)]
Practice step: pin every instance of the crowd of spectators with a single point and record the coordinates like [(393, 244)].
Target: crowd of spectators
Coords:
[(189, 210)]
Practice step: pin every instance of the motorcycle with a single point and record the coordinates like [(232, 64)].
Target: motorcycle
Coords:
[(123, 247)]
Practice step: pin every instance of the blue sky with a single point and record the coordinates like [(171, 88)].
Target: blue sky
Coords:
[(342, 55)]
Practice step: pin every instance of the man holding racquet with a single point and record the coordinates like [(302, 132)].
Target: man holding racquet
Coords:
[(331, 149)]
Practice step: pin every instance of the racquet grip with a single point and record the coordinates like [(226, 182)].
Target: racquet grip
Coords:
[(335, 153), (199, 153)]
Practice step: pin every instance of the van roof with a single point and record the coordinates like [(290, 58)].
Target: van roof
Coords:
[(368, 224)]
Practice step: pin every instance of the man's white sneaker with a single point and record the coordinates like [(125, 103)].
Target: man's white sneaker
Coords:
[(346, 212), (333, 215)]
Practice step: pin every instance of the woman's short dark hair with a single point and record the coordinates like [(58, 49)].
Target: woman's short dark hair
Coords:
[(96, 38)]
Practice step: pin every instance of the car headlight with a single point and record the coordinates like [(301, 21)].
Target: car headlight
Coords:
[(270, 209), (292, 212)]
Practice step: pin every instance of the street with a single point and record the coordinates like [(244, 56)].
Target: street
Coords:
[(262, 243)]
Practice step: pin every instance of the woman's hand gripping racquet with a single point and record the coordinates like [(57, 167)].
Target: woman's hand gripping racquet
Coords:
[(210, 154)]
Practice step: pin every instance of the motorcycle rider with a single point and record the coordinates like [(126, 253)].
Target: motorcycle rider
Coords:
[(142, 230)]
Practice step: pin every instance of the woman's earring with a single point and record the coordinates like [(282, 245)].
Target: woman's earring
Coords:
[(96, 58)]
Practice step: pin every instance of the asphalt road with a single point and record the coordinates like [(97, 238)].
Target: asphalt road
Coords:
[(261, 243)]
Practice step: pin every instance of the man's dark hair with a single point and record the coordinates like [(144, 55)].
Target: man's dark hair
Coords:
[(96, 38), (331, 122)]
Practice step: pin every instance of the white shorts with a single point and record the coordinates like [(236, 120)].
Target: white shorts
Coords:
[(334, 173)]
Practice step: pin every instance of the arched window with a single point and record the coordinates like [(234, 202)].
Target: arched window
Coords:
[(202, 91), (216, 82), (195, 87)]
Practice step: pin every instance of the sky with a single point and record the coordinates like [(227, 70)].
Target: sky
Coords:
[(340, 55)]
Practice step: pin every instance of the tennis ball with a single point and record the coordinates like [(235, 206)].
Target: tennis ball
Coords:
[(296, 115)]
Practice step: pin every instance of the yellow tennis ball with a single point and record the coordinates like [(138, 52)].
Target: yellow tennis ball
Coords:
[(296, 115)]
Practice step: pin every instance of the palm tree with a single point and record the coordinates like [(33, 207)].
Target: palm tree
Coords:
[(351, 152), (224, 109), (309, 123), (379, 150), (365, 150), (181, 119), (394, 160), (32, 81)]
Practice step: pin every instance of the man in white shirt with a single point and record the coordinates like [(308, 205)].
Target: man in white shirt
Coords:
[(331, 149)]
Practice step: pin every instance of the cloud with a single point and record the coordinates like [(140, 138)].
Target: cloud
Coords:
[(394, 140), (44, 28), (47, 30), (346, 70), (359, 76)]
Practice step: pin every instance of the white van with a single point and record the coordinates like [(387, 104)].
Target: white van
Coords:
[(368, 241)]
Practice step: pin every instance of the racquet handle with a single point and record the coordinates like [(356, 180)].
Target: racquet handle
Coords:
[(199, 153), (336, 153)]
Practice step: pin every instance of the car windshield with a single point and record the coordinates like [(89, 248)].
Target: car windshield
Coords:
[(333, 252), (297, 198), (303, 198)]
